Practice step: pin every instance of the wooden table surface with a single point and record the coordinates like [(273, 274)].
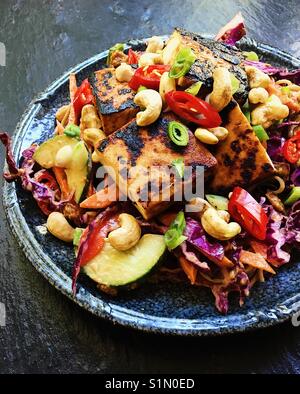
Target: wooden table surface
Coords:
[(45, 332)]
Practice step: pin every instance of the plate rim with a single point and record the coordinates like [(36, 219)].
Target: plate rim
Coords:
[(105, 309)]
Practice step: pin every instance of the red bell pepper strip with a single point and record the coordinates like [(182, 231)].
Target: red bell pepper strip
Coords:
[(83, 96), (148, 76), (133, 57), (291, 148), (92, 240), (193, 109), (248, 213)]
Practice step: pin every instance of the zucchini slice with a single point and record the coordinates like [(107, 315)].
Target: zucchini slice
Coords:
[(46, 152), (79, 166), (114, 268)]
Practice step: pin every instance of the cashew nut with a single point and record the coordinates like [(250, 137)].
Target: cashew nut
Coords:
[(155, 44), (225, 215), (206, 136), (127, 235), (63, 156), (148, 59), (257, 78), (151, 100), (95, 157), (220, 132), (272, 110), (58, 226), (166, 85), (171, 49), (197, 206), (217, 227), (221, 95), (89, 118), (124, 72), (93, 136), (258, 95), (61, 112)]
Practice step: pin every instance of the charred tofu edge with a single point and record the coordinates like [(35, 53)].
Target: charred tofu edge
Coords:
[(137, 145), (242, 160), (106, 107)]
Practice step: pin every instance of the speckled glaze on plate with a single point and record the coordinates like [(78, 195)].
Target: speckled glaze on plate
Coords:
[(162, 308)]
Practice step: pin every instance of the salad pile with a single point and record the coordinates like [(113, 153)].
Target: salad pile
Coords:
[(180, 103)]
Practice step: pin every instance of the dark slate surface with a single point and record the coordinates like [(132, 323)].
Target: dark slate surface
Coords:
[(45, 332)]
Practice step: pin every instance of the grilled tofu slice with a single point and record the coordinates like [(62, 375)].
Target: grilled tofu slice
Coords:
[(242, 160), (114, 100), (135, 156), (210, 54)]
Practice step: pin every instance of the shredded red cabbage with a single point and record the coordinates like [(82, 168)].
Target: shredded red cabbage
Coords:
[(42, 193), (276, 237), (197, 237), (289, 123), (292, 226), (13, 173), (274, 148), (295, 177), (239, 284), (192, 257), (277, 73), (233, 31)]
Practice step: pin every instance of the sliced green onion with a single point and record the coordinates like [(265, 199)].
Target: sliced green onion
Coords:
[(261, 133), (248, 116), (286, 90), (293, 196), (179, 222), (218, 202), (72, 131), (179, 166), (77, 235), (195, 88), (174, 235), (141, 88), (251, 56), (235, 83), (116, 47), (246, 111), (173, 239), (183, 62), (178, 133)]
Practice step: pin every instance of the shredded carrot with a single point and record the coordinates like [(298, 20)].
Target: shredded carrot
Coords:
[(255, 260), (226, 262), (91, 190), (102, 199), (61, 178), (189, 268), (73, 89), (260, 248)]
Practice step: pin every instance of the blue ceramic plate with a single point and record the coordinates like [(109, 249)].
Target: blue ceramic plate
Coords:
[(162, 308)]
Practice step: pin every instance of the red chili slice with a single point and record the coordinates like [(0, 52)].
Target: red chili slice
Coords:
[(291, 149), (248, 213), (193, 109), (133, 57), (83, 96), (92, 240), (148, 76)]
